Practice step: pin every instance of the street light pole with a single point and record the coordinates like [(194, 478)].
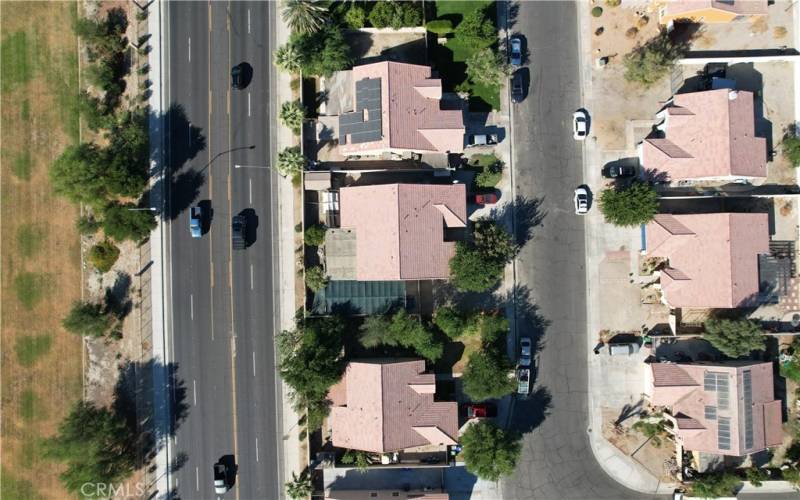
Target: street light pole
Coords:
[(151, 209), (252, 166)]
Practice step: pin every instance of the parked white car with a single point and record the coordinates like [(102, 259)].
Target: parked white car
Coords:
[(581, 200), (580, 125)]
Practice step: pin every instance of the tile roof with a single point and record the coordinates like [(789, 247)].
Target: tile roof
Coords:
[(713, 258), (400, 228), (412, 118), (389, 406), (741, 7), (715, 392), (709, 134)]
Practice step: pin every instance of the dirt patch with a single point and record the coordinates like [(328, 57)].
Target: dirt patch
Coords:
[(657, 459), (41, 363)]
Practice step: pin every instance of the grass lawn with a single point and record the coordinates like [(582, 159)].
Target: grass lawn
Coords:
[(41, 363), (450, 59), (489, 170)]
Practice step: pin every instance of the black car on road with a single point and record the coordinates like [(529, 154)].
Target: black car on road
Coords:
[(238, 232), (517, 87)]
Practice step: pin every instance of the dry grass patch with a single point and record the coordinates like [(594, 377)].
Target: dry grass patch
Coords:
[(41, 372)]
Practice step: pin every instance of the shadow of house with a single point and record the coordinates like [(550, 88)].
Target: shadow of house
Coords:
[(412, 52)]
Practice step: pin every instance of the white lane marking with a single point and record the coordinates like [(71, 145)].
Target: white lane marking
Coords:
[(191, 306), (248, 104), (189, 134), (250, 182), (252, 285), (194, 391), (254, 365), (248, 20), (256, 449), (190, 49), (197, 478)]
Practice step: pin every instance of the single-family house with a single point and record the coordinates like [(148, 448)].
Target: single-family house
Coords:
[(711, 259), (386, 405), (711, 11), (394, 108), (724, 408), (707, 135), (401, 231)]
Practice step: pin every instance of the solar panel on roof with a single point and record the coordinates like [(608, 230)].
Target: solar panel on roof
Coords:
[(724, 433), (748, 409), (365, 124)]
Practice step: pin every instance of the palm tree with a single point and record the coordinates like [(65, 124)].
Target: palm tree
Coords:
[(299, 487), (290, 162), (287, 59), (304, 16), (292, 114)]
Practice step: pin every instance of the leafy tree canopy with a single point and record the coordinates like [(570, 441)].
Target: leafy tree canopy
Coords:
[(290, 161), (450, 321), (649, 63), (103, 255), (716, 485), (122, 223), (472, 271), (304, 16), (395, 14), (322, 53), (300, 487), (486, 375), (78, 174), (401, 329), (489, 451), (487, 67), (734, 337), (287, 58), (477, 27), (88, 319), (631, 206)]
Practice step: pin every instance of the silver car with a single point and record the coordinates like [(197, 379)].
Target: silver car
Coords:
[(525, 345), (515, 51), (581, 200)]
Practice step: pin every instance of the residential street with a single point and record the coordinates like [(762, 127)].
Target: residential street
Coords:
[(557, 460), (222, 300)]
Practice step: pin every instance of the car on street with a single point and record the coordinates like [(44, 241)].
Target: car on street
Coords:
[(480, 410), (525, 345), (515, 50), (238, 232), (196, 221), (618, 171), (517, 87), (581, 200), (523, 381), (474, 140), (220, 478), (580, 124), (237, 77), (485, 199)]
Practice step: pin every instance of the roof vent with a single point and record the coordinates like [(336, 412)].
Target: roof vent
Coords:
[(733, 94)]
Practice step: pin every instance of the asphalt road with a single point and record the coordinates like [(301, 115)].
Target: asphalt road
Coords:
[(557, 460), (222, 300)]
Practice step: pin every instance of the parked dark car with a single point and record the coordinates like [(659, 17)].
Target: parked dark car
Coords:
[(517, 87), (239, 232), (619, 171)]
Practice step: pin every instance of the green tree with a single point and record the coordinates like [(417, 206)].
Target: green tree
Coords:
[(792, 475), (486, 375), (472, 271), (450, 321), (300, 486), (652, 430), (127, 222), (94, 112), (87, 225), (322, 53), (394, 14), (103, 255), (649, 63), (477, 28), (440, 27), (790, 147), (127, 157), (314, 235), (87, 319), (311, 358), (715, 485), (292, 115), (756, 476), (287, 58), (290, 161), (77, 174), (316, 279), (487, 67), (95, 445), (494, 241), (355, 17), (358, 458), (401, 329), (631, 206), (304, 16), (734, 337), (489, 451)]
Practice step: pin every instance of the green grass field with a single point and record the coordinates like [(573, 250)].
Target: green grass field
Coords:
[(450, 59)]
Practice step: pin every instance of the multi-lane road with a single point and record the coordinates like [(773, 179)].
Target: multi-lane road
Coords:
[(222, 307)]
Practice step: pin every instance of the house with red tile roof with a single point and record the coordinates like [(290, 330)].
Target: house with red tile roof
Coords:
[(402, 231), (708, 136), (711, 11), (397, 108), (711, 259), (386, 405), (725, 408)]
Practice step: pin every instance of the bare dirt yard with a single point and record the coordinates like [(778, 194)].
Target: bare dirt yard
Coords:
[(41, 363)]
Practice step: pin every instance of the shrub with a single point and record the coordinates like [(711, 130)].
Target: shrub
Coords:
[(715, 485), (321, 53), (450, 321), (791, 148), (88, 319), (316, 279), (103, 255), (355, 17), (597, 11), (756, 476), (490, 175), (631, 206), (476, 27), (440, 27), (734, 337), (314, 235), (395, 14), (632, 32), (487, 67), (613, 3), (357, 458), (649, 63)]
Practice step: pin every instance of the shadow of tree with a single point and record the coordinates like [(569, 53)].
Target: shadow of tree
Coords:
[(629, 411), (526, 215), (530, 412), (117, 300)]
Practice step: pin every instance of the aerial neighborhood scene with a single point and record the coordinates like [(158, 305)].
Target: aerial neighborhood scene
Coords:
[(430, 249)]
